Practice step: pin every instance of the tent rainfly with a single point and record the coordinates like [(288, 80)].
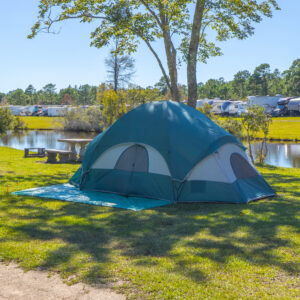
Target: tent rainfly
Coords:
[(169, 151)]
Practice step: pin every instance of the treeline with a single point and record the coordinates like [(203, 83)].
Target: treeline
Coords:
[(48, 95), (263, 81)]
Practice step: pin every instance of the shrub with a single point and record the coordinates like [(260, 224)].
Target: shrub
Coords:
[(9, 122), (83, 120)]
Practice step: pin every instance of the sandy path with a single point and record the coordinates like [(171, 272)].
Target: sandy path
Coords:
[(15, 284)]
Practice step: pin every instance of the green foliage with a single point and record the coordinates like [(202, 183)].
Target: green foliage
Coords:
[(83, 120), (254, 121), (261, 82), (9, 122), (231, 125), (292, 78), (82, 95), (18, 123), (113, 106), (184, 21), (6, 120), (206, 109)]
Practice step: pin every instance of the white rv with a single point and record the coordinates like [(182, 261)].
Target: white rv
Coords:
[(269, 103), (56, 111), (17, 110), (217, 107), (294, 106), (237, 108)]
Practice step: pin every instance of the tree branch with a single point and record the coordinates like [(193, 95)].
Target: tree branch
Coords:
[(159, 62), (152, 13)]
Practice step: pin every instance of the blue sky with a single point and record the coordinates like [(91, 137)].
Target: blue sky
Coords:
[(67, 58)]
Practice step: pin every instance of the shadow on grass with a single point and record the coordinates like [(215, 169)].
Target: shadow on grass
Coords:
[(213, 231)]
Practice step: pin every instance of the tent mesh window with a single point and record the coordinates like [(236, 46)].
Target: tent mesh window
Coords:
[(133, 159), (241, 167)]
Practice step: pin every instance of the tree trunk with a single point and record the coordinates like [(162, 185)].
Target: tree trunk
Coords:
[(172, 66), (116, 73), (192, 54), (249, 147)]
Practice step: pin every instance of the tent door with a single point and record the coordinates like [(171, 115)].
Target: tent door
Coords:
[(133, 159)]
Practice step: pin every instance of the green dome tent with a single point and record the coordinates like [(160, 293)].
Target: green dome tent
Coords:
[(169, 151)]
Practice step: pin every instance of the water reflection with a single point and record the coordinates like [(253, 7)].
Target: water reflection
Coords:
[(41, 139), (279, 154)]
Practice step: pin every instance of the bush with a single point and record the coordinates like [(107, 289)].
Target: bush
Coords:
[(6, 120), (83, 120), (18, 123), (233, 126), (254, 121), (9, 122)]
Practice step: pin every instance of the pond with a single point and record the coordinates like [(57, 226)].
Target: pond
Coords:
[(279, 154), (41, 139)]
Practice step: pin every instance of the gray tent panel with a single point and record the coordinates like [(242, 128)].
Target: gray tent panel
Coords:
[(133, 159), (241, 167)]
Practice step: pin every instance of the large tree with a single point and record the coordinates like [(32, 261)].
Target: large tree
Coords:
[(239, 83), (183, 25), (292, 79)]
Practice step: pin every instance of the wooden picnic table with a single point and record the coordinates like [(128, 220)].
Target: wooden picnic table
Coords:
[(73, 142)]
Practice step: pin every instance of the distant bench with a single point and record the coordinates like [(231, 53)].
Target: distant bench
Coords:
[(64, 155), (38, 152)]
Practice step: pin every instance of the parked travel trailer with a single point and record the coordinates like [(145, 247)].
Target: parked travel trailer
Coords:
[(237, 108), (17, 110), (282, 107), (225, 108), (56, 111), (294, 106), (33, 110), (217, 107), (268, 102), (201, 103)]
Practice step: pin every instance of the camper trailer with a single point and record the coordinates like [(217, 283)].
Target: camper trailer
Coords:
[(294, 107), (269, 103), (282, 107), (237, 108), (217, 107), (225, 108), (17, 110), (202, 102), (56, 111)]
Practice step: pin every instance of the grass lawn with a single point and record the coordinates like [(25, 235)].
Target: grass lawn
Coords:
[(43, 123), (203, 251), (285, 129)]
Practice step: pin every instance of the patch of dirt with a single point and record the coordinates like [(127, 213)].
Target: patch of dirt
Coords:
[(15, 284)]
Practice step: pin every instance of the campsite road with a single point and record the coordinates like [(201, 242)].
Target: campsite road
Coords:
[(15, 284)]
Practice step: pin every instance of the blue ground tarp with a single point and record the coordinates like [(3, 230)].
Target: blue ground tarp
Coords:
[(68, 192)]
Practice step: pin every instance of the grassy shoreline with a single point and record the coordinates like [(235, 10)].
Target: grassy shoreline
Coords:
[(185, 251), (42, 123), (282, 129)]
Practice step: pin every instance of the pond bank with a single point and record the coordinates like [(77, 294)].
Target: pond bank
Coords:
[(281, 130), (282, 154)]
